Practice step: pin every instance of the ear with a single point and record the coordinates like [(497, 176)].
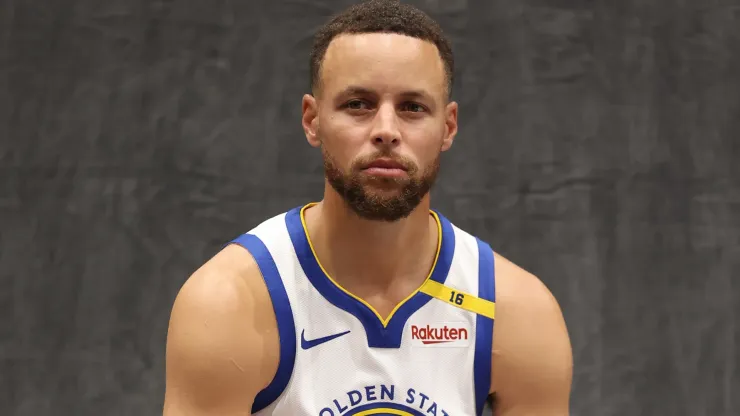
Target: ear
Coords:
[(310, 119), (450, 125)]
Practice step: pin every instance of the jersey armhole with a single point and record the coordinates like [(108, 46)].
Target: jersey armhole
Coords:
[(283, 314), (484, 327)]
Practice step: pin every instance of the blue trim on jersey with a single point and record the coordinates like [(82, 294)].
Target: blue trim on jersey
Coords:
[(484, 327), (283, 314), (378, 336)]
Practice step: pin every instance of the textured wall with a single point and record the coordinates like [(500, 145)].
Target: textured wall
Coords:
[(598, 149)]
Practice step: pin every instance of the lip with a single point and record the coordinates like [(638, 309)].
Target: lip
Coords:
[(384, 163), (385, 168)]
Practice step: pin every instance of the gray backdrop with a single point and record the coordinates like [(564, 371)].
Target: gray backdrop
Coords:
[(598, 149)]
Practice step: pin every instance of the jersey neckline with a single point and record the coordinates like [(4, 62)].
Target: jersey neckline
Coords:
[(381, 332)]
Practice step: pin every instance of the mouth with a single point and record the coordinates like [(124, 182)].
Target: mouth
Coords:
[(385, 168), (384, 163)]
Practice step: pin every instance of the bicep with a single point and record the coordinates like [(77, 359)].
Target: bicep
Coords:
[(214, 359), (532, 357)]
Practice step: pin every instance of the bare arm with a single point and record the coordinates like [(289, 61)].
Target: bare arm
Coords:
[(532, 357), (222, 339)]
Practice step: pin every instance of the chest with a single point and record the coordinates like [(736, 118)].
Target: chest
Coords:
[(431, 372)]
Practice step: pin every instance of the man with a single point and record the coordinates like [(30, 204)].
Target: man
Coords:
[(368, 302)]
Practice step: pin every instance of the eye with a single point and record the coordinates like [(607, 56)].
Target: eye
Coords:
[(413, 107), (356, 105)]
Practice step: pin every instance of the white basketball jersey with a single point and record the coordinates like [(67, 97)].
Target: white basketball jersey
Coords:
[(338, 356)]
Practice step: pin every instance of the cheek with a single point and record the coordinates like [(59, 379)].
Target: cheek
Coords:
[(428, 144), (342, 143)]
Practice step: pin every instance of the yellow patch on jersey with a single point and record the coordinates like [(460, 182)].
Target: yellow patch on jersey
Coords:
[(384, 412), (459, 299)]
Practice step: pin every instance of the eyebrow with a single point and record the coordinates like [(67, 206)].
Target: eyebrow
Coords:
[(409, 94)]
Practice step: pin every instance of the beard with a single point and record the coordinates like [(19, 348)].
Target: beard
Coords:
[(380, 198)]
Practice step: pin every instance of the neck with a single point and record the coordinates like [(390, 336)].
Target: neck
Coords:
[(356, 251)]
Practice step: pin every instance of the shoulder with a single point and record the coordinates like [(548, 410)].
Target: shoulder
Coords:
[(227, 285), (222, 332), (520, 289), (532, 357)]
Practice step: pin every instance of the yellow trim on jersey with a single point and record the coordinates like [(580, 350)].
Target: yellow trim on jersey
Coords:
[(384, 412), (384, 321), (459, 299)]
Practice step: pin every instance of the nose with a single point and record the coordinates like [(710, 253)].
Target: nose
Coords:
[(386, 131)]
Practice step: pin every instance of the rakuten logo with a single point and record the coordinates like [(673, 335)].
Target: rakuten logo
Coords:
[(440, 334)]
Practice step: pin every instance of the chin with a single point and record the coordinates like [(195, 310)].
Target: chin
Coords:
[(383, 188), (380, 182)]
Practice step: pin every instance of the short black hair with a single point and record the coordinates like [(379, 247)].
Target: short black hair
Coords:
[(381, 16)]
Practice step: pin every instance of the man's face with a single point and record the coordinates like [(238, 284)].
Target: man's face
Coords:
[(381, 119)]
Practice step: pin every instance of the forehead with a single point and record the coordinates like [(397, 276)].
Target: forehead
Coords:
[(382, 61)]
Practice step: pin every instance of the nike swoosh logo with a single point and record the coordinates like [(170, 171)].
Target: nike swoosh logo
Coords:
[(308, 344)]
